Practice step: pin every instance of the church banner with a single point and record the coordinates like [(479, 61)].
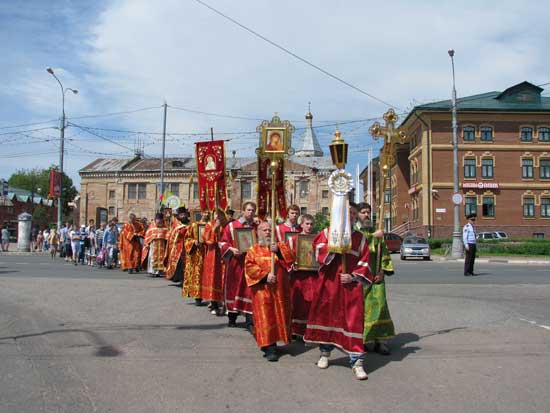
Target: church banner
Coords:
[(55, 184), (211, 172), (264, 188)]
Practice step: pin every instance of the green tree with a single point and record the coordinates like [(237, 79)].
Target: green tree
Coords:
[(321, 222), (40, 216), (38, 181)]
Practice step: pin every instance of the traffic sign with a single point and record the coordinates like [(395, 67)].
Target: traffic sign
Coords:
[(457, 198)]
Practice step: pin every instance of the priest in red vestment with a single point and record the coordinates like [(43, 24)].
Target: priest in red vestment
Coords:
[(270, 291), (290, 225), (238, 297), (130, 244), (213, 268), (301, 293), (337, 310), (194, 261), (175, 253), (154, 247)]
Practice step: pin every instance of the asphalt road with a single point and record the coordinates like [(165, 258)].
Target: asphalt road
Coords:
[(76, 339)]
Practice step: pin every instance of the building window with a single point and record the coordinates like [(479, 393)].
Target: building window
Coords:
[(304, 189), (470, 206), (545, 207), (324, 194), (195, 190), (112, 194), (545, 168), (486, 133), (526, 134), (538, 235), (303, 211), (174, 188), (487, 168), (488, 206), (469, 168), (528, 207), (544, 134), (246, 190), (387, 196), (111, 211), (324, 211), (527, 168), (469, 133), (137, 191)]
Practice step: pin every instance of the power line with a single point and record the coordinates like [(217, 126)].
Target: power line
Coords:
[(101, 137), (29, 124), (307, 62), (127, 112)]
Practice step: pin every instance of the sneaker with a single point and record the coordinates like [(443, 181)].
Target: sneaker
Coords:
[(323, 362), (214, 312), (358, 370)]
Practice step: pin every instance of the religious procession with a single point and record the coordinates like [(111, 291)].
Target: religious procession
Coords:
[(266, 265)]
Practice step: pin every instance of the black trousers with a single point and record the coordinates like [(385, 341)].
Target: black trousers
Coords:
[(470, 259)]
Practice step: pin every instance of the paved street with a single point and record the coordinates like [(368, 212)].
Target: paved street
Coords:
[(76, 339)]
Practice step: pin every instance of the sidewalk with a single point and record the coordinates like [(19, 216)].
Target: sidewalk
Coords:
[(13, 251), (499, 259)]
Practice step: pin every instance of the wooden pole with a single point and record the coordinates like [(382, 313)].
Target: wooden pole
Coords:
[(274, 165)]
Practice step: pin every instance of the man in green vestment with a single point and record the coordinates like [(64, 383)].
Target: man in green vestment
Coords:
[(378, 325)]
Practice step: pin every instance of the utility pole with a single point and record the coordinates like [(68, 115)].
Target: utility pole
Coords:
[(163, 152), (456, 251), (61, 144)]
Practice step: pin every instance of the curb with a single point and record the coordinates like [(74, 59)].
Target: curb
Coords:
[(497, 260)]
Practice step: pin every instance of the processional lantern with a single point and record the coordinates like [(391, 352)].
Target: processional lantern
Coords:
[(339, 151)]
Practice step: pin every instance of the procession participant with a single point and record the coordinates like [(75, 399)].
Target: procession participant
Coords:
[(270, 291), (175, 252), (300, 283), (213, 269), (229, 213), (337, 309), (378, 326), (194, 261), (238, 297), (353, 212), (130, 244), (290, 225), (154, 246)]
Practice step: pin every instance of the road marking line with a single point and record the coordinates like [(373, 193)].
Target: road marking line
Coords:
[(535, 324)]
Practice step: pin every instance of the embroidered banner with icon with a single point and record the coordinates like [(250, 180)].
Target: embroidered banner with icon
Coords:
[(211, 172), (264, 188)]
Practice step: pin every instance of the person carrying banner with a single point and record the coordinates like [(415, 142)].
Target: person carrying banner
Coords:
[(130, 244), (270, 291), (213, 269)]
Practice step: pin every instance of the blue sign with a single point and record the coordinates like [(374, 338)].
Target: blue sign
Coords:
[(4, 187)]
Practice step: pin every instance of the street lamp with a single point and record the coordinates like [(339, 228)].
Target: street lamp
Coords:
[(62, 141), (456, 251)]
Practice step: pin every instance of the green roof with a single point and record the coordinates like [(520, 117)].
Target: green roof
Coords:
[(523, 97)]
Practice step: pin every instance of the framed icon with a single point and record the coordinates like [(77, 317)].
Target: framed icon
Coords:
[(305, 255), (201, 228), (244, 239), (275, 140)]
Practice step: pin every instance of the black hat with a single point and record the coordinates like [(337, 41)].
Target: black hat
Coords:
[(158, 215), (181, 210), (229, 212), (469, 216)]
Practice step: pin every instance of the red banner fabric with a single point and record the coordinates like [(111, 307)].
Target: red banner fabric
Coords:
[(55, 184), (264, 188), (211, 172)]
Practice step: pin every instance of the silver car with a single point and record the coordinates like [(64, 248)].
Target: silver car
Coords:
[(416, 247)]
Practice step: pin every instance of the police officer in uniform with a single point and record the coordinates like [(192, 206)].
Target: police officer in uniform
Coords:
[(469, 239)]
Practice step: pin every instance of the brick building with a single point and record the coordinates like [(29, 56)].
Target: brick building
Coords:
[(504, 165), (20, 200), (116, 187)]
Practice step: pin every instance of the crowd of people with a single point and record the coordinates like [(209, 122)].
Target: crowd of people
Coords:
[(339, 304)]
